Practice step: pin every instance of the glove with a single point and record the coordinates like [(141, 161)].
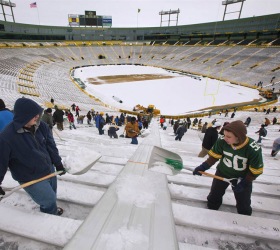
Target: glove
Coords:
[(61, 168), (2, 192), (240, 186), (273, 153), (203, 167)]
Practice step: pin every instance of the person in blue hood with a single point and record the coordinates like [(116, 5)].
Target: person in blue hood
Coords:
[(28, 149), (6, 116)]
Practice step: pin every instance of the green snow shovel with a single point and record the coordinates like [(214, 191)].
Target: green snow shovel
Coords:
[(172, 159)]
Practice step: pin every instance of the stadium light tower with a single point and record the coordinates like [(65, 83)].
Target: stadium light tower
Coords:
[(169, 12), (227, 2), (7, 4)]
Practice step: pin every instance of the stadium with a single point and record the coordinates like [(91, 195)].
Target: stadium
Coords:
[(121, 202)]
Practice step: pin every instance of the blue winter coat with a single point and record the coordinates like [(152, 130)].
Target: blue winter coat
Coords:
[(6, 116), (29, 156), (99, 121)]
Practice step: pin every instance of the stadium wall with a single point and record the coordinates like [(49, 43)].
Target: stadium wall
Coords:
[(267, 27)]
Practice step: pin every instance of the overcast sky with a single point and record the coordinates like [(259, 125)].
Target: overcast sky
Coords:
[(125, 12)]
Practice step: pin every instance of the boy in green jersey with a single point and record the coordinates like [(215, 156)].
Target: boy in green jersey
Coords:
[(240, 157)]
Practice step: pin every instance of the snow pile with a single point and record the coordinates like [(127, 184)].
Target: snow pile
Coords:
[(161, 167), (137, 190), (145, 132), (80, 160), (126, 239)]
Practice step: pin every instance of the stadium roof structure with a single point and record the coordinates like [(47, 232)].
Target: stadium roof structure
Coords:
[(267, 26)]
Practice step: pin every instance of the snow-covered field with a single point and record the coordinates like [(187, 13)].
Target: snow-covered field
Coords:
[(171, 96)]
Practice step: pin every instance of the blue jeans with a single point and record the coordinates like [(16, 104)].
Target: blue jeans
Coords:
[(44, 194), (134, 140), (101, 131)]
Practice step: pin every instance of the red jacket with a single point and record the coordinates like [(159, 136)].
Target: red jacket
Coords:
[(70, 117)]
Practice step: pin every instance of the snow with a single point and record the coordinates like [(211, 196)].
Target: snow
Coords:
[(80, 160), (161, 167), (126, 239), (172, 96), (135, 190)]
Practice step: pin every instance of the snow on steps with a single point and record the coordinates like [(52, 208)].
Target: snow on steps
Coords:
[(236, 224), (113, 217), (271, 190), (187, 246), (261, 204), (66, 192), (113, 160), (136, 225), (50, 229), (92, 178)]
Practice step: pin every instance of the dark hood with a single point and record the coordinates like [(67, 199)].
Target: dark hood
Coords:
[(24, 110), (2, 104)]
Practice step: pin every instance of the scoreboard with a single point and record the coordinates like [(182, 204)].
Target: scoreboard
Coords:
[(89, 19)]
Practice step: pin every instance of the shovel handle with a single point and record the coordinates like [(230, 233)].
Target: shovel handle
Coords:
[(29, 184), (212, 175)]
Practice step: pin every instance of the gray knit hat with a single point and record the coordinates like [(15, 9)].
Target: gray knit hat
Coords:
[(238, 129)]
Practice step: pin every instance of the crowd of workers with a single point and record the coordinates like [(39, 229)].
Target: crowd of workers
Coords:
[(28, 148)]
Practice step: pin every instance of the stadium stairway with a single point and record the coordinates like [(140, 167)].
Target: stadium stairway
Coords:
[(145, 211)]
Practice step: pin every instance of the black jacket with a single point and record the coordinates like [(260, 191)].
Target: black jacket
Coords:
[(58, 115), (210, 137)]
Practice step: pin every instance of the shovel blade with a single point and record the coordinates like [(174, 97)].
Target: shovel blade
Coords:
[(162, 155), (79, 169)]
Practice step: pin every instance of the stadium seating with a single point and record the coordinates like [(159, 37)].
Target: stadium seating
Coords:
[(44, 72)]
